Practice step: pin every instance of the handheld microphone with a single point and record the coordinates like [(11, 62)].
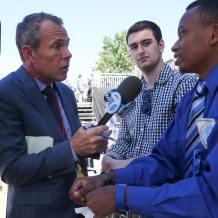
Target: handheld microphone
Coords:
[(121, 100)]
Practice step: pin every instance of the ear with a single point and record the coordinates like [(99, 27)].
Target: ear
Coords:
[(161, 45), (28, 53), (214, 35)]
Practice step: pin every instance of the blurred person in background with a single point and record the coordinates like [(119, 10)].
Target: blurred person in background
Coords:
[(81, 87)]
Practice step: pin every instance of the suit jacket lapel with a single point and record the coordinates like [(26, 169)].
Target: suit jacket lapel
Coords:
[(32, 91)]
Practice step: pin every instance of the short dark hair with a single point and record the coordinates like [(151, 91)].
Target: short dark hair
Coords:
[(27, 32), (208, 11), (145, 24)]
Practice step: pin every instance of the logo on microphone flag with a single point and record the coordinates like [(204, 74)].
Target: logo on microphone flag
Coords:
[(114, 104)]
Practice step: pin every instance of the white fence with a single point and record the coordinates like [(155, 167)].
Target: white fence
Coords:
[(107, 80)]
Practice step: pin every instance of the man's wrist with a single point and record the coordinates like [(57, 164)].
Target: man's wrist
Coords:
[(107, 178), (106, 157), (113, 176)]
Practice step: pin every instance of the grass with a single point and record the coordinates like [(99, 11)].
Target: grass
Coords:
[(3, 198)]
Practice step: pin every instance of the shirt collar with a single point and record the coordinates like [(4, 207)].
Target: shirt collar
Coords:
[(211, 80), (41, 85), (163, 77)]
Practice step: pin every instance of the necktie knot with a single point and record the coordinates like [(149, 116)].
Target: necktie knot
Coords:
[(48, 92), (201, 89)]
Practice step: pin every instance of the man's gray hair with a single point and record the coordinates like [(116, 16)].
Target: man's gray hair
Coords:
[(27, 32)]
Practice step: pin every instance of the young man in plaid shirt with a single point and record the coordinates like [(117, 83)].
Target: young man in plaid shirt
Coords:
[(156, 105)]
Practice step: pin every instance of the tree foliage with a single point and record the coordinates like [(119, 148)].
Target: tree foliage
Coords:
[(115, 57)]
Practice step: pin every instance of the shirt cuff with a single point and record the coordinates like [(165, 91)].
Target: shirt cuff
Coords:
[(74, 154), (120, 197)]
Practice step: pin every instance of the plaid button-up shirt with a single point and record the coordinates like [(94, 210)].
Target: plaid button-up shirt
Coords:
[(138, 132)]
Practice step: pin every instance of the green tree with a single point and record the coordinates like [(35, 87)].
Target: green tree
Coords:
[(115, 56)]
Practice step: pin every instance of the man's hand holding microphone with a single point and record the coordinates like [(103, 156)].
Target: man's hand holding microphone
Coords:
[(85, 142)]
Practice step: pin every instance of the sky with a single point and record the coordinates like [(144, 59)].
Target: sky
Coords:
[(87, 22)]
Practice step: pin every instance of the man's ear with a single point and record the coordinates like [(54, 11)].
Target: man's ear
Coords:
[(161, 45), (214, 35), (28, 53)]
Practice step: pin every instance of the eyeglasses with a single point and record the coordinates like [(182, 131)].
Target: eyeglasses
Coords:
[(146, 107)]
